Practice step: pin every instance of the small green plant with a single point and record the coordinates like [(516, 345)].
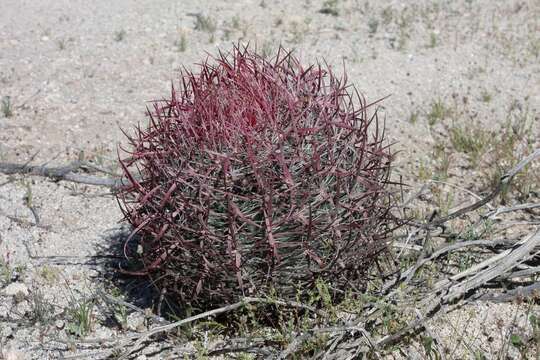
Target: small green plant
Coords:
[(373, 25), (442, 163), (424, 171), (473, 141), (41, 309), (330, 7), (390, 318), (62, 43), (205, 23), (517, 342), (486, 96), (119, 310), (119, 35), (514, 142), (235, 22), (298, 30), (6, 106), (472, 232), (49, 274), (181, 44), (430, 350), (267, 49), (387, 15), (432, 40), (81, 316), (6, 273), (444, 201), (438, 112), (535, 325), (404, 23), (324, 296), (120, 315), (534, 47), (479, 355), (413, 117)]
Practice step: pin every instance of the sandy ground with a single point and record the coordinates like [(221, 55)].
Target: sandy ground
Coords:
[(76, 72)]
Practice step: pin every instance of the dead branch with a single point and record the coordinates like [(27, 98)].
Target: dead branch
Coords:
[(511, 295), (409, 273), (446, 293), (503, 182), (494, 213), (112, 300), (62, 173), (521, 273), (460, 284)]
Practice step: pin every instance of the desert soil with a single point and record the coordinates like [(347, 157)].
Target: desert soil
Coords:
[(77, 72)]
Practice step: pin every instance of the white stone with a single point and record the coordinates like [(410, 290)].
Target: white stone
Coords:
[(12, 354), (15, 288), (135, 321), (59, 324), (6, 331)]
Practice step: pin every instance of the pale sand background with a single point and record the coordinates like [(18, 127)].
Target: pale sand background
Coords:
[(77, 71)]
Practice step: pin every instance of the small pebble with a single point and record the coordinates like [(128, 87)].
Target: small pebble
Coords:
[(59, 324)]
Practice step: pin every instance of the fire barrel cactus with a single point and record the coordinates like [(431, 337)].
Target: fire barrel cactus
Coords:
[(257, 176)]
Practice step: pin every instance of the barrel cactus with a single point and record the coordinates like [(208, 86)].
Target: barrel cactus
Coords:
[(257, 176)]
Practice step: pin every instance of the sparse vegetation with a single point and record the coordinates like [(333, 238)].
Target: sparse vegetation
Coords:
[(62, 43), (471, 140), (81, 316), (120, 35), (438, 112), (42, 311), (6, 273), (9, 272), (121, 315), (534, 47), (299, 29), (181, 44), (6, 106), (509, 146), (404, 23), (205, 23), (373, 25), (330, 7), (444, 200), (387, 15), (235, 23), (442, 162), (267, 49), (486, 96), (424, 171), (432, 40), (413, 117), (49, 274)]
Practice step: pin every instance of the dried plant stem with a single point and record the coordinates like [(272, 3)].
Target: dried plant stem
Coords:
[(62, 173), (502, 210), (504, 181), (142, 337)]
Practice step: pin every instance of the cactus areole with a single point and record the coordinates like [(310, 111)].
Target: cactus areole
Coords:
[(256, 176)]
